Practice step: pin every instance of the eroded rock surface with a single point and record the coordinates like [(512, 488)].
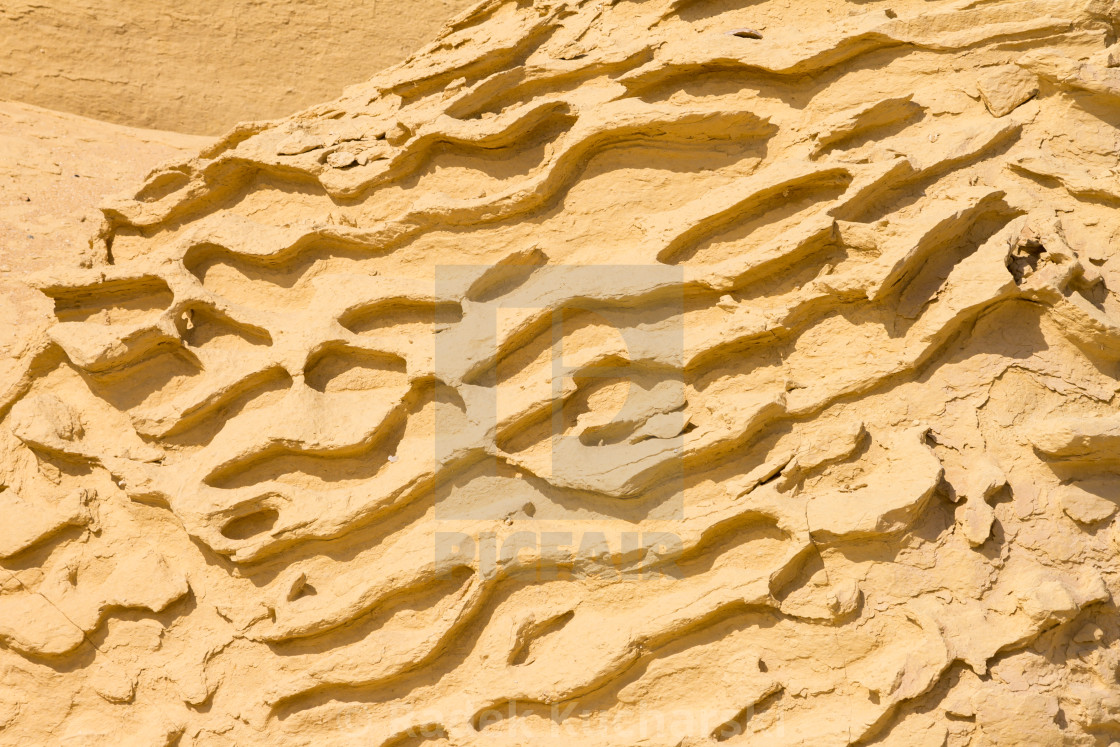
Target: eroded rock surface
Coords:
[(661, 373)]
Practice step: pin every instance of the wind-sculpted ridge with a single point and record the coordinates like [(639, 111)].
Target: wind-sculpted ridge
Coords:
[(659, 372)]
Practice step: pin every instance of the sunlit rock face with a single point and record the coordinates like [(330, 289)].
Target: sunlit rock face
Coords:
[(661, 373)]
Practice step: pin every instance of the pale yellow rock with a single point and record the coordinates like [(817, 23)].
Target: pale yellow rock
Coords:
[(976, 522), (1083, 506), (40, 518), (1005, 88), (45, 421), (114, 686), (1011, 717), (883, 500), (1078, 439), (607, 374)]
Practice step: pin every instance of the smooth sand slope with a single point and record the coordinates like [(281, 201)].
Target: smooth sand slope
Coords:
[(202, 66)]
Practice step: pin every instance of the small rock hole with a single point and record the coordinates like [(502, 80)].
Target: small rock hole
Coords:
[(245, 527)]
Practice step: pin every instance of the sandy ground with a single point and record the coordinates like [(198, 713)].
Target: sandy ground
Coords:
[(203, 66)]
